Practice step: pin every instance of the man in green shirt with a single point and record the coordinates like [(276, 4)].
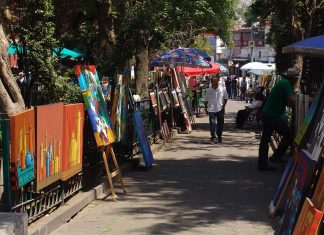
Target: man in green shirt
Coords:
[(274, 119)]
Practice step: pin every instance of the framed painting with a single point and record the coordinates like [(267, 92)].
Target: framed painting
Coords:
[(49, 141), (95, 104), (22, 136), (73, 120)]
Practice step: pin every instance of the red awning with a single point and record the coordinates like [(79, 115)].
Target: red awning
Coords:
[(189, 71)]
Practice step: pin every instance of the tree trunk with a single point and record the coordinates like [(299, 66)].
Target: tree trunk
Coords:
[(11, 100), (106, 30), (141, 72)]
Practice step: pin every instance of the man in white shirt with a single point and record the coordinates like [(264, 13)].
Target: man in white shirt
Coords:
[(215, 100)]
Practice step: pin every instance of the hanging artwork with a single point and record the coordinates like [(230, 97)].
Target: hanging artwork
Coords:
[(22, 136), (175, 99), (106, 88), (95, 104), (304, 128), (73, 120), (163, 101), (119, 108), (49, 139), (166, 96), (154, 103)]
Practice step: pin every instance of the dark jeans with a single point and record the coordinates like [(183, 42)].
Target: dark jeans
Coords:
[(271, 124), (243, 93), (229, 92), (218, 129), (234, 93)]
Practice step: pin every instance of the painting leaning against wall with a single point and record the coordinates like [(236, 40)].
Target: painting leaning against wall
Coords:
[(49, 137), (22, 136), (95, 104)]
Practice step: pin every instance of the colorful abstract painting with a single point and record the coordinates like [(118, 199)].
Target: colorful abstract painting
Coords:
[(119, 108), (304, 128), (49, 141), (301, 183), (22, 136), (95, 104), (73, 120)]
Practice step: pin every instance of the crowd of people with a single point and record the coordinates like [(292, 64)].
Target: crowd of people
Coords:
[(267, 106)]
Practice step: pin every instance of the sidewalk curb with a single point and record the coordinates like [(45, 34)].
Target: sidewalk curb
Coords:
[(64, 213)]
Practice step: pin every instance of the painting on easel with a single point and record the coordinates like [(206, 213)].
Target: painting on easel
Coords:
[(95, 104), (49, 137), (73, 120), (22, 135)]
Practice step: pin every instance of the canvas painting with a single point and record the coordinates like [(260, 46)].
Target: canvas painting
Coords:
[(303, 174), (119, 108), (175, 99), (22, 136), (95, 104), (49, 141), (302, 132), (73, 121)]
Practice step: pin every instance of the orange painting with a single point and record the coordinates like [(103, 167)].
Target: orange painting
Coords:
[(73, 121), (49, 140), (22, 137)]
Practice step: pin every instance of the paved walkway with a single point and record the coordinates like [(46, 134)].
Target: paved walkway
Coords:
[(195, 187)]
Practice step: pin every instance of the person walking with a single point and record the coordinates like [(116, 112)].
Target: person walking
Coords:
[(215, 102), (234, 87), (274, 119)]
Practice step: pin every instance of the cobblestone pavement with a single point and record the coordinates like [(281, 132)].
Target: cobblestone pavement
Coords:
[(194, 187)]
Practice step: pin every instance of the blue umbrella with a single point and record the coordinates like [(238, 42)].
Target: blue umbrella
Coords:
[(313, 46), (180, 56)]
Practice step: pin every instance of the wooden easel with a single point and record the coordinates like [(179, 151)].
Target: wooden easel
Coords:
[(105, 151)]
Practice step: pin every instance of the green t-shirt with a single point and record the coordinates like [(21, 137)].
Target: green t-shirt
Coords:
[(277, 99)]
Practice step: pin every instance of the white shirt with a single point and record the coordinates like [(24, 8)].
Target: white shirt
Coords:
[(215, 99)]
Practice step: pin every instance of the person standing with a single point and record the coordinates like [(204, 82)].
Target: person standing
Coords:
[(228, 85), (234, 87), (215, 102), (243, 85), (274, 119)]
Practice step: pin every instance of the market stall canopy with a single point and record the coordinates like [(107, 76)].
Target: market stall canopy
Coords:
[(188, 57), (15, 49), (189, 71), (222, 68), (64, 52), (257, 66), (313, 46)]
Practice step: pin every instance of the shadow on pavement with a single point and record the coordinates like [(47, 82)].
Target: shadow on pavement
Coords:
[(202, 192)]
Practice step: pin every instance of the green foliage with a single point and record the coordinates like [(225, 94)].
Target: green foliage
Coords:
[(38, 36), (202, 44), (259, 8), (63, 89)]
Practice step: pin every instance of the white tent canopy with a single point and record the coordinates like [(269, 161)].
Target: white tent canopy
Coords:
[(257, 66)]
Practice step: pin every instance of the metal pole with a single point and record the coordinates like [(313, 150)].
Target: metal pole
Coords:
[(251, 41)]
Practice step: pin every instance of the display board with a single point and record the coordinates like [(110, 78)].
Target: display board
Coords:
[(73, 120), (49, 139), (96, 107), (22, 136)]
